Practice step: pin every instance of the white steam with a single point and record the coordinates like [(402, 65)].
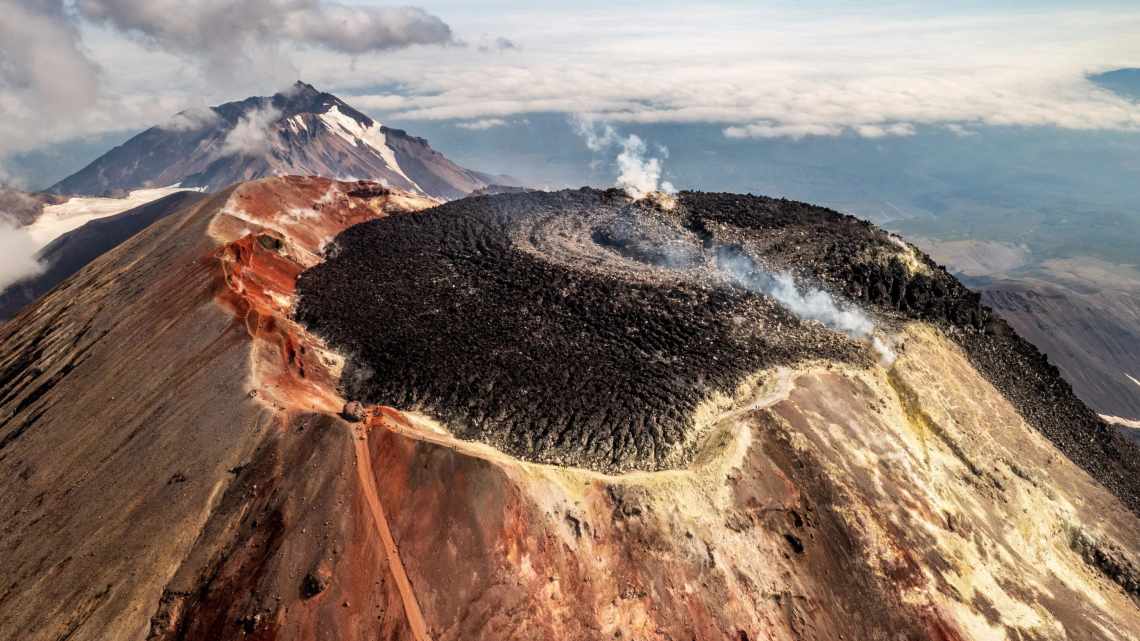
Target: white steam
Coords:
[(640, 176), (638, 173), (252, 135), (807, 304)]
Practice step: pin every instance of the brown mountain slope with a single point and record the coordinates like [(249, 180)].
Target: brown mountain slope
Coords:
[(70, 252), (1093, 336), (1082, 312), (209, 488)]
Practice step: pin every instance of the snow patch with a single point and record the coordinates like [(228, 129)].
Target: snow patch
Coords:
[(373, 137), (57, 220)]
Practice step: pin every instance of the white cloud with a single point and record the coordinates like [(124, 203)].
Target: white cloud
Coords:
[(785, 73), (773, 130), (485, 123), (381, 102), (253, 135), (218, 27), (882, 131), (192, 119), (19, 252), (960, 130), (44, 74)]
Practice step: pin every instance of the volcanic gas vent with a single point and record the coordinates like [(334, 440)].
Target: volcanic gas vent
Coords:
[(574, 327)]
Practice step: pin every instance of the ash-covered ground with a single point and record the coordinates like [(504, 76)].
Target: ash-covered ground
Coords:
[(578, 327)]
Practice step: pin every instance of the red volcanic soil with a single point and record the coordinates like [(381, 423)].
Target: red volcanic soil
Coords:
[(173, 463)]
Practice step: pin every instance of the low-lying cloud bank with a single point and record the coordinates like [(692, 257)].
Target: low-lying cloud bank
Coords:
[(20, 254), (784, 73)]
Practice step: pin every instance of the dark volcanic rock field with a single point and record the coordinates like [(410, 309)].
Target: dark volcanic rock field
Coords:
[(536, 323), (572, 361)]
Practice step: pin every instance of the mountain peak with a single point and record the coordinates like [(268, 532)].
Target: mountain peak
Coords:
[(303, 98), (299, 130), (405, 387), (302, 87)]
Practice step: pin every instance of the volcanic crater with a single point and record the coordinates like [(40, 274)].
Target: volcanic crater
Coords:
[(583, 328), (575, 327)]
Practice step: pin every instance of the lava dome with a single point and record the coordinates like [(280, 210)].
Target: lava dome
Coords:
[(575, 327)]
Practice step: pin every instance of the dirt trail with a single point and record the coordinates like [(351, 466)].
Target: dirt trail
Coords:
[(420, 428), (368, 483)]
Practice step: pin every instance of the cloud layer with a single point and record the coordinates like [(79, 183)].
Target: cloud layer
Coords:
[(19, 252), (872, 70), (765, 73)]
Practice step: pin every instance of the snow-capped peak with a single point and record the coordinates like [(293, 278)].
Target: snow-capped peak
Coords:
[(371, 136)]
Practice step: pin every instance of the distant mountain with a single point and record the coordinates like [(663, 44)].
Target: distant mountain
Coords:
[(74, 250), (20, 208), (300, 131), (1125, 82), (1082, 312), (1092, 336)]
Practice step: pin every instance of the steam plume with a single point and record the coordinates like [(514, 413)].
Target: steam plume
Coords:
[(808, 304), (665, 246), (638, 173)]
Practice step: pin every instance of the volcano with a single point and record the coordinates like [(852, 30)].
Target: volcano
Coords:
[(343, 410), (299, 131)]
